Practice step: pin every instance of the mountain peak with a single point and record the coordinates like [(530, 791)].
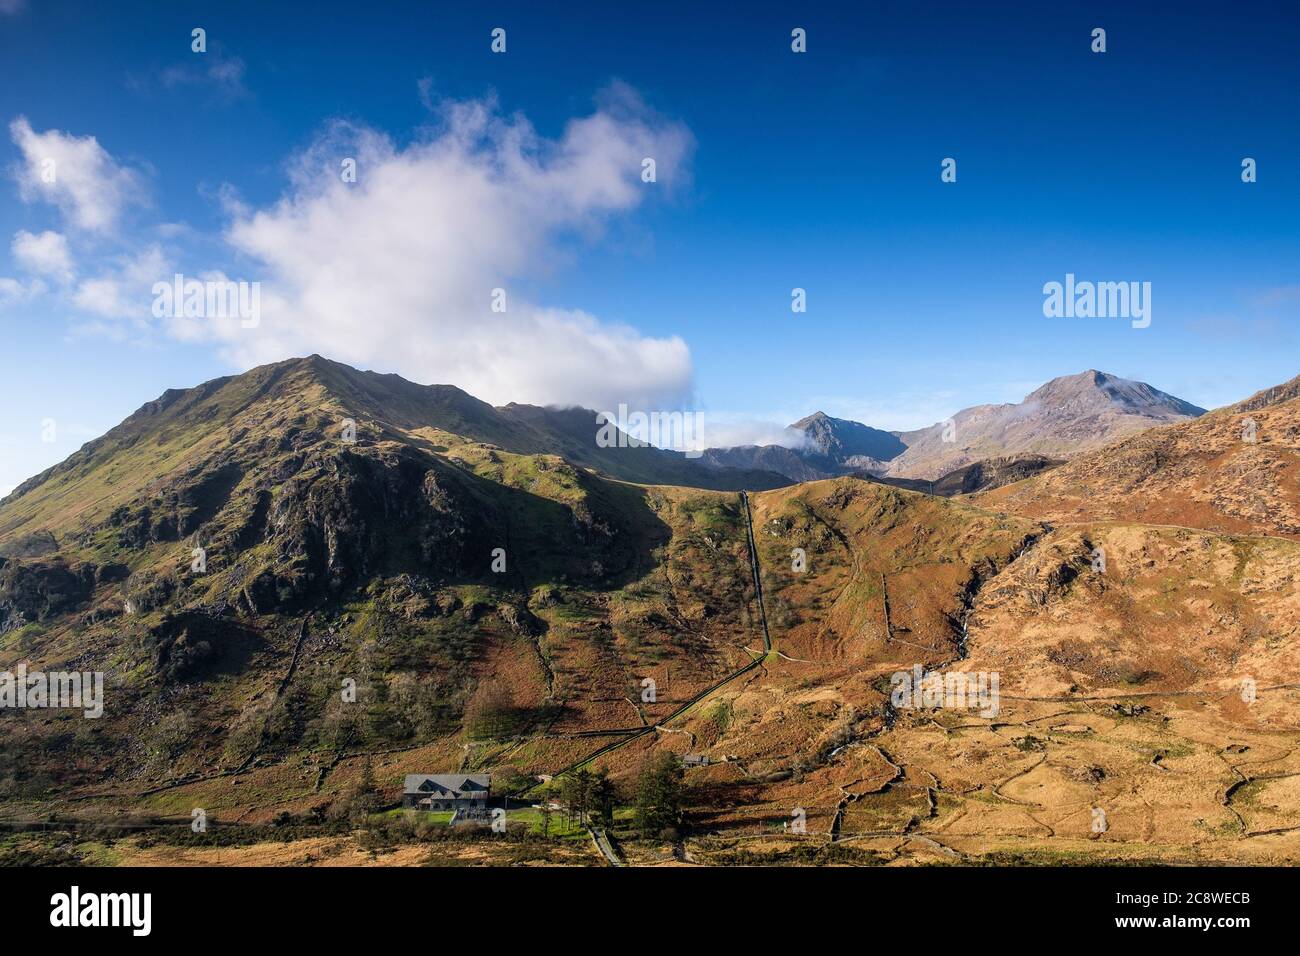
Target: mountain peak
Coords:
[(1088, 378), (1102, 390), (814, 418), (841, 439)]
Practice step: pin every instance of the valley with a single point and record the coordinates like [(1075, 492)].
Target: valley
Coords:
[(1140, 608)]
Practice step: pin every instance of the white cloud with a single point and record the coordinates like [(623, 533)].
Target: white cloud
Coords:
[(397, 270), (88, 186), (125, 291), (727, 430), (424, 86), (11, 6), (222, 74), (46, 254), (13, 292)]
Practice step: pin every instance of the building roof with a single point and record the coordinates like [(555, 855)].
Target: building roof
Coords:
[(448, 786)]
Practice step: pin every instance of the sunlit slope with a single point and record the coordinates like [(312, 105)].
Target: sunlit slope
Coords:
[(1233, 470)]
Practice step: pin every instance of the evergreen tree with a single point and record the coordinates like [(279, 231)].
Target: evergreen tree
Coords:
[(604, 797), (660, 796), (577, 793)]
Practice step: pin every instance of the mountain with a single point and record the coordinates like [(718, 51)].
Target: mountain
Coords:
[(793, 464), (1062, 418), (1236, 469), (829, 446), (847, 443), (229, 559), (984, 447), (389, 406)]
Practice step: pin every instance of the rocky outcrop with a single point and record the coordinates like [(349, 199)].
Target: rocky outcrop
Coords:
[(32, 591), (351, 515)]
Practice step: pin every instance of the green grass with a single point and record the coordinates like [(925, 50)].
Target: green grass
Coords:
[(560, 828), (21, 637)]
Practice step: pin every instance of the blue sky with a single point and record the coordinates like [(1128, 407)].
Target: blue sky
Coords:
[(776, 170)]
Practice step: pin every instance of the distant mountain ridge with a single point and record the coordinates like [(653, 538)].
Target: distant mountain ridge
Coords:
[(1062, 418), (394, 404), (831, 446)]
